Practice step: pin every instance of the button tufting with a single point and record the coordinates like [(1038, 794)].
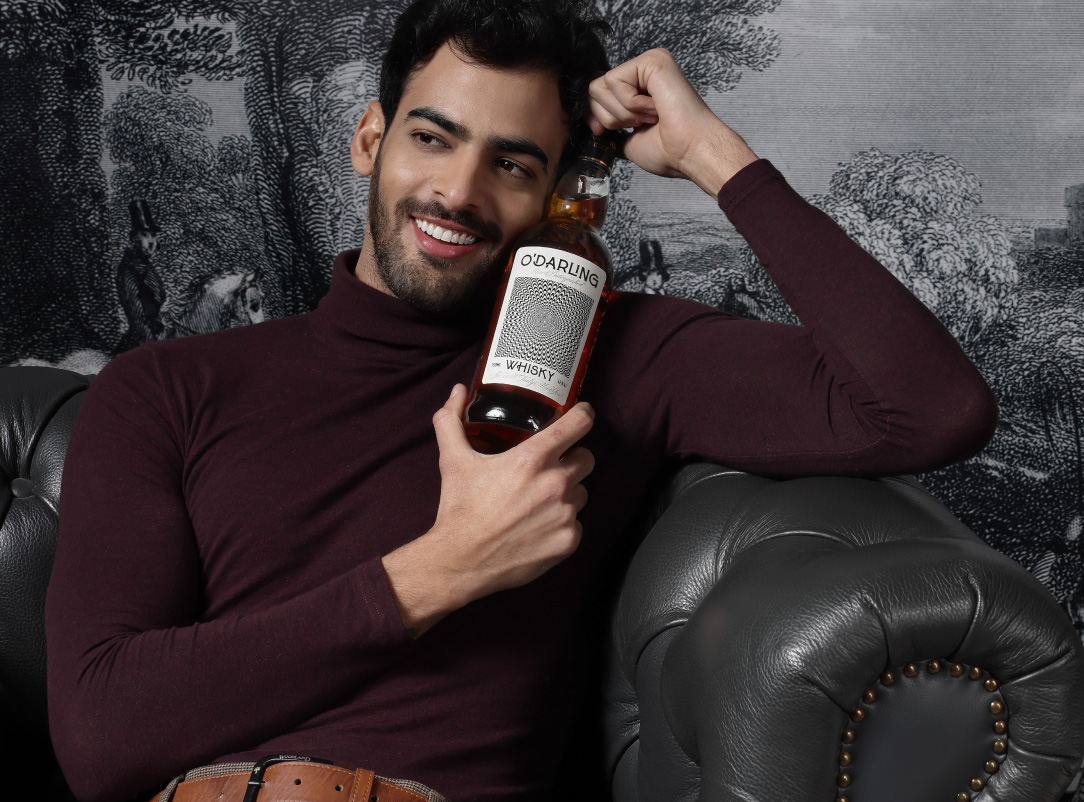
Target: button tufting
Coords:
[(22, 488)]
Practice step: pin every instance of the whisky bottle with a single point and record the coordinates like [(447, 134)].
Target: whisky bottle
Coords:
[(550, 304)]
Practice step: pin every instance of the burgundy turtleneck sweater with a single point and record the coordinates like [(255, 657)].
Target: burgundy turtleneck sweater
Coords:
[(218, 591)]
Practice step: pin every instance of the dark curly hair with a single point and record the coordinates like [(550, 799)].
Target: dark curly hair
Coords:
[(563, 37)]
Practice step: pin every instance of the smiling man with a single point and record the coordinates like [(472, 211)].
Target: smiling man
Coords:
[(455, 177), (270, 544)]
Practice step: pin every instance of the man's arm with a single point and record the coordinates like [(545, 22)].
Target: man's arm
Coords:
[(142, 685), (870, 384)]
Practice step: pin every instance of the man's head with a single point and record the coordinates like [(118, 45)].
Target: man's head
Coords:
[(479, 100)]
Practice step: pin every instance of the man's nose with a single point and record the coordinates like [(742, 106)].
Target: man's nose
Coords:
[(460, 182)]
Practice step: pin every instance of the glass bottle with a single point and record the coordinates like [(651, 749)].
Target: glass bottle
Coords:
[(551, 302)]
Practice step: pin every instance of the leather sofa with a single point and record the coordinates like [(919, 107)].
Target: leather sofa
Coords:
[(802, 640)]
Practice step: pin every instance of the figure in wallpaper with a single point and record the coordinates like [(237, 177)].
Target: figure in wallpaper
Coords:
[(220, 301), (652, 269), (138, 283)]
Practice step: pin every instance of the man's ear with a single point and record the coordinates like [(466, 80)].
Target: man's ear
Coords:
[(367, 137)]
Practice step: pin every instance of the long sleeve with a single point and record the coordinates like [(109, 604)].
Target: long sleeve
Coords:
[(143, 683), (870, 384)]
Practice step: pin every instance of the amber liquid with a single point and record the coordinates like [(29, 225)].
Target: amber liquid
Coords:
[(500, 416)]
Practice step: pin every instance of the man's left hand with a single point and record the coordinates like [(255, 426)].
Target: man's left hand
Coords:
[(675, 133)]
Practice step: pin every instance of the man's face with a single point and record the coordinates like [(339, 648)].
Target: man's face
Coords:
[(146, 242), (472, 150)]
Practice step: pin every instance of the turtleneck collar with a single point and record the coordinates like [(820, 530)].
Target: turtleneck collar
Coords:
[(353, 314)]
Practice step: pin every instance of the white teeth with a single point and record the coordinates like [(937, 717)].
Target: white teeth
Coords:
[(436, 232)]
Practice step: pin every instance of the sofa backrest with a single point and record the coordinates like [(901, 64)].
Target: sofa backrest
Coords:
[(37, 410)]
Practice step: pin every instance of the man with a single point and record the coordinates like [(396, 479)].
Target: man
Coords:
[(269, 542), (138, 283)]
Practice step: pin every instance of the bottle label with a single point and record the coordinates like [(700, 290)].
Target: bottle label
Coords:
[(545, 318)]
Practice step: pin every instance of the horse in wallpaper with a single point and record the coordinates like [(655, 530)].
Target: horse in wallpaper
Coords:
[(945, 137)]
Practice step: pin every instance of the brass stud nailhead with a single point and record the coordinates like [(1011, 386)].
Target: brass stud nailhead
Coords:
[(845, 758), (888, 678), (843, 780), (990, 685), (910, 669), (1000, 747), (843, 799), (934, 666), (848, 736), (957, 670), (870, 696), (977, 784), (997, 708), (992, 766), (858, 714), (975, 673), (963, 796), (1000, 727)]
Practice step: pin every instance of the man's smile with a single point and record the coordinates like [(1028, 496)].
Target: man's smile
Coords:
[(444, 241)]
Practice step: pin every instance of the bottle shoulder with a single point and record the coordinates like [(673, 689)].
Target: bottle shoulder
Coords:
[(570, 236)]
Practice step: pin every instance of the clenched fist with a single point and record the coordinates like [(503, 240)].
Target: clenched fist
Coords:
[(675, 134)]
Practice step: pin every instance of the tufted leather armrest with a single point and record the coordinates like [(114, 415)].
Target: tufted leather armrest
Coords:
[(37, 409), (757, 613)]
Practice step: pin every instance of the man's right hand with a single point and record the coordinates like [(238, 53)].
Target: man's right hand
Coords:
[(503, 520)]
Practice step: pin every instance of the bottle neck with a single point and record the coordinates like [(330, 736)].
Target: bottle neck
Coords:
[(582, 193)]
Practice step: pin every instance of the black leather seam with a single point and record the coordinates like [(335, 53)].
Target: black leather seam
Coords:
[(706, 478), (6, 500), (876, 612), (652, 639), (44, 421), (813, 683), (975, 599), (1014, 746), (1065, 654), (624, 751)]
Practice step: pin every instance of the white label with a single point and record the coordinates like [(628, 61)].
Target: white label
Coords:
[(545, 318)]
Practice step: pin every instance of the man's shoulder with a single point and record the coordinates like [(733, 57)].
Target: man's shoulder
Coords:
[(221, 356), (644, 313)]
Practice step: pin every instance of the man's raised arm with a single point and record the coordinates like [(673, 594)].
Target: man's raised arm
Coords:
[(870, 384)]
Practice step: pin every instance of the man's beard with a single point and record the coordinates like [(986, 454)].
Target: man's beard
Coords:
[(448, 286)]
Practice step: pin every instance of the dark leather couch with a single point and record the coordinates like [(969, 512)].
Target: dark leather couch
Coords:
[(813, 639)]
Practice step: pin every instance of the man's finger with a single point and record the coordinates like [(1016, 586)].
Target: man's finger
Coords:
[(627, 91), (448, 423), (565, 432), (577, 463)]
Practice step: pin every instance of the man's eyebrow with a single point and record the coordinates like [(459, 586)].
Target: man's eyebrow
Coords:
[(505, 144)]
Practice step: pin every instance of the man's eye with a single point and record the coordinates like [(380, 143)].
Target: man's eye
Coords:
[(424, 138), (513, 168)]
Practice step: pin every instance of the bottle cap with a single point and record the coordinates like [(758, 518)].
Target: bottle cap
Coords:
[(605, 148)]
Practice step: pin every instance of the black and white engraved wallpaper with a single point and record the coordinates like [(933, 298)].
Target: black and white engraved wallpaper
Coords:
[(180, 166)]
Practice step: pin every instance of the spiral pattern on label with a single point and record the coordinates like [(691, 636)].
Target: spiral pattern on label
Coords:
[(544, 323)]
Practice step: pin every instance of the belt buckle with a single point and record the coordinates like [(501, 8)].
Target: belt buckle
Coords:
[(255, 780)]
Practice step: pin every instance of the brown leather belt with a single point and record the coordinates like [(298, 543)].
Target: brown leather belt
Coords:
[(296, 782)]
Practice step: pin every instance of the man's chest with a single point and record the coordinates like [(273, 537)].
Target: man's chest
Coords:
[(305, 482)]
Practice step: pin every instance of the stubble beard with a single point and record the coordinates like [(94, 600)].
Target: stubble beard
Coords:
[(445, 286)]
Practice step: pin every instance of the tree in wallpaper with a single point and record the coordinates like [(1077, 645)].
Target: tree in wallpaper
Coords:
[(308, 71), (52, 187), (201, 194)]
